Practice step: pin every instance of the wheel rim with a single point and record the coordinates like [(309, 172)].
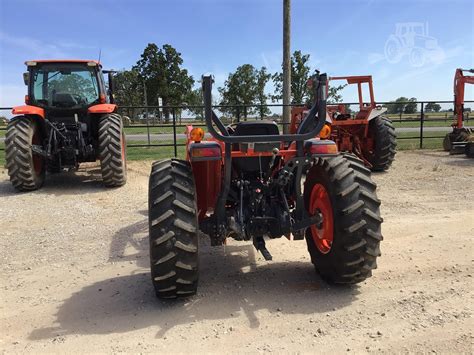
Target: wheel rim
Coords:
[(323, 235), (38, 161)]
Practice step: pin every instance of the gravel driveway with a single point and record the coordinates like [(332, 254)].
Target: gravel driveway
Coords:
[(75, 274)]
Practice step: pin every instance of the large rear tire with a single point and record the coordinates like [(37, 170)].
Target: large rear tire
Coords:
[(26, 169), (469, 150), (385, 143), (344, 248), (112, 150), (173, 229)]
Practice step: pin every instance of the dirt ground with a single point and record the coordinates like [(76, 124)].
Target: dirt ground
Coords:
[(75, 277)]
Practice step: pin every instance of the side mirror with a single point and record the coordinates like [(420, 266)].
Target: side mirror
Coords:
[(26, 78)]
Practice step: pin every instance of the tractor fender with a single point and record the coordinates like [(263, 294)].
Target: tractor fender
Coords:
[(28, 110), (376, 112), (102, 108)]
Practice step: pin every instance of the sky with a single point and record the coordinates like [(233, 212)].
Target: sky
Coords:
[(216, 36)]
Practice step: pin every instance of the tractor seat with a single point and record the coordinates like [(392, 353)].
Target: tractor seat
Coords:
[(64, 99), (254, 128)]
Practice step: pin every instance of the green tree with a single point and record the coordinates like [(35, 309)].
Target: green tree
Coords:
[(300, 74), (161, 69), (262, 79), (411, 106), (195, 101), (397, 106), (129, 90), (240, 88), (432, 107)]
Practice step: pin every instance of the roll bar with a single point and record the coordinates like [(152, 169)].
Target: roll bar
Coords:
[(309, 127)]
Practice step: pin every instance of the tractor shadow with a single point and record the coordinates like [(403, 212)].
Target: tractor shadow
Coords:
[(232, 284), (461, 161), (83, 181), (130, 243)]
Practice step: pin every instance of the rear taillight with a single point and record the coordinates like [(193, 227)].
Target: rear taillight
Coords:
[(316, 146), (205, 151), (102, 99), (27, 99)]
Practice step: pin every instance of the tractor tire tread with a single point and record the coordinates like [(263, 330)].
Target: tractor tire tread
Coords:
[(19, 156), (385, 141), (112, 157), (173, 229), (357, 224)]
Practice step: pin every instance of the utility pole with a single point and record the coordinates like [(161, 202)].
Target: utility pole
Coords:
[(286, 66)]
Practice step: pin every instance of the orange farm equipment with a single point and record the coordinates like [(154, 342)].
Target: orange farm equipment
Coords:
[(367, 133), (69, 117), (461, 139), (249, 182)]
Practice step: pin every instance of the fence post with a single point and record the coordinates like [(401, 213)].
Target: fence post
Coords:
[(174, 133), (422, 118), (148, 126)]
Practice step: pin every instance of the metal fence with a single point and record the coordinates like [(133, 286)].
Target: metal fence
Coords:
[(163, 126)]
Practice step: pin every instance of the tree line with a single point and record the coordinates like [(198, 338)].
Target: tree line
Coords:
[(409, 105), (160, 73)]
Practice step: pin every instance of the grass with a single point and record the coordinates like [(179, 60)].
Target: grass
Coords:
[(409, 141), (425, 124), (153, 153)]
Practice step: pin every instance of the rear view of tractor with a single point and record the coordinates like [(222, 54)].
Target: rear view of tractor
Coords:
[(461, 139), (368, 133), (69, 117), (249, 182)]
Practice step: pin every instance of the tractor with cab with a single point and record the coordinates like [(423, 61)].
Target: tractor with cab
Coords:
[(69, 117)]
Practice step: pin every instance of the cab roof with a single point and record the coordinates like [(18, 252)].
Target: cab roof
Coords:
[(64, 61)]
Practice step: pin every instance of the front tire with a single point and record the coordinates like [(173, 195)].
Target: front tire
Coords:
[(344, 248), (469, 150), (112, 150), (26, 170), (173, 229), (382, 132)]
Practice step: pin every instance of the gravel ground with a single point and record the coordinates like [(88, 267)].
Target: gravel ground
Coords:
[(75, 274)]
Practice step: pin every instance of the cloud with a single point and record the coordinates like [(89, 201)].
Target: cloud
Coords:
[(33, 46)]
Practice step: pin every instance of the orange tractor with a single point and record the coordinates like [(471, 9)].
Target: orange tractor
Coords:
[(69, 117), (368, 133), (461, 139), (249, 182)]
